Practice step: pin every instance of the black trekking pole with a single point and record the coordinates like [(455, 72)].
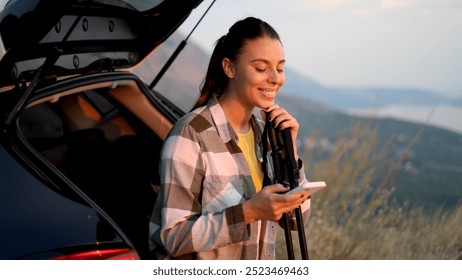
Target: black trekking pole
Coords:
[(279, 177), (286, 173), (294, 176)]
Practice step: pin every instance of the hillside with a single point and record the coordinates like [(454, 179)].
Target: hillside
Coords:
[(429, 172), (345, 98)]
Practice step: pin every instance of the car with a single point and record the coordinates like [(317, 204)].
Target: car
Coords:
[(80, 131)]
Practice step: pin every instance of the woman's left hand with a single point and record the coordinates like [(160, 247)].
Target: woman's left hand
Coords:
[(282, 120)]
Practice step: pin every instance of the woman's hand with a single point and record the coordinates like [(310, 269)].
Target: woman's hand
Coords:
[(282, 120), (271, 202)]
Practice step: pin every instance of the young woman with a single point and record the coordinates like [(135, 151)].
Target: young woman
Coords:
[(211, 204)]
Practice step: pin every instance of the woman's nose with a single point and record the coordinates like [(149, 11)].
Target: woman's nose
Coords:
[(275, 76)]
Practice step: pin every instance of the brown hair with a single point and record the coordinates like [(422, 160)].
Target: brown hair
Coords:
[(230, 46)]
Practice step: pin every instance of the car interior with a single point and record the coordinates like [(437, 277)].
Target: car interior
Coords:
[(106, 138)]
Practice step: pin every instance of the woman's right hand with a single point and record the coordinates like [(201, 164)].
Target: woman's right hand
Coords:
[(271, 203)]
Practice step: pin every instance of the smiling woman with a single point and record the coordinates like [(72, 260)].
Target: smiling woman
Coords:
[(211, 203)]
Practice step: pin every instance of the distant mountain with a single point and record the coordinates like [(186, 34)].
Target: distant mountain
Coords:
[(185, 75), (192, 63), (431, 173), (407, 104), (346, 98)]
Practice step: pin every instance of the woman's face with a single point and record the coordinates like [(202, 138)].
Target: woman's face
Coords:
[(257, 74)]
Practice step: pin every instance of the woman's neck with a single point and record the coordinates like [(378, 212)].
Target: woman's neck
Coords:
[(236, 113)]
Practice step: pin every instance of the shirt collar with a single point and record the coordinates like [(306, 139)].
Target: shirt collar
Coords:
[(224, 128)]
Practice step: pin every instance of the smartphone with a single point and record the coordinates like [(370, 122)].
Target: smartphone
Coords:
[(311, 187)]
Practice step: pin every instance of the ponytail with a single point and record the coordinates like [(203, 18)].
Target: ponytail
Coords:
[(216, 80)]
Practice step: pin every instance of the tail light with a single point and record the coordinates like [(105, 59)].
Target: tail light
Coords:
[(102, 254)]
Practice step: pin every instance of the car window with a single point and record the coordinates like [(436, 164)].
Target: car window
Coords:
[(182, 81)]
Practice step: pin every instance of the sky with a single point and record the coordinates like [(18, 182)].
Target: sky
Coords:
[(358, 43)]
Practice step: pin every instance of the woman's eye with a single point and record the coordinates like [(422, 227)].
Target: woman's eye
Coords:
[(261, 70)]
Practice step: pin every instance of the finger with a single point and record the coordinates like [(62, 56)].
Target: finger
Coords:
[(271, 108), (263, 114), (287, 123), (279, 115), (275, 112), (268, 111), (276, 188), (284, 121), (295, 200)]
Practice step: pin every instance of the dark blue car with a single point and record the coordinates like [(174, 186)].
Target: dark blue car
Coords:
[(80, 133)]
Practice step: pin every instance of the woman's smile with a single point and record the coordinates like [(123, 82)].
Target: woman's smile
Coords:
[(268, 93)]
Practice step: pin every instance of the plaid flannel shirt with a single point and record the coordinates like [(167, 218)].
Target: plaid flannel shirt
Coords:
[(205, 179)]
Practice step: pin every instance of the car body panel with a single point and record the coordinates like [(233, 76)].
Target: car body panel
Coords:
[(30, 211)]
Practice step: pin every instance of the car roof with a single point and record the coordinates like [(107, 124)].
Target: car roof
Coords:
[(83, 36)]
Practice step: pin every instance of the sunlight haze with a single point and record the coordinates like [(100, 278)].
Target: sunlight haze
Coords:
[(378, 43)]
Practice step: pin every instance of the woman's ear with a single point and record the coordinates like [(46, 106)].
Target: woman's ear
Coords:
[(228, 67)]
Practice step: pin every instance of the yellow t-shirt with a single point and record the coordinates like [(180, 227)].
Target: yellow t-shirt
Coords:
[(247, 144)]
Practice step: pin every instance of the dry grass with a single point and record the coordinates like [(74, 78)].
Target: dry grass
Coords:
[(353, 220)]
